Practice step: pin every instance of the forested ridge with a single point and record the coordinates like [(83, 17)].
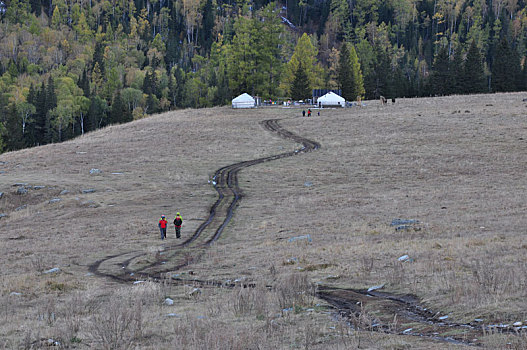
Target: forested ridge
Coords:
[(71, 66)]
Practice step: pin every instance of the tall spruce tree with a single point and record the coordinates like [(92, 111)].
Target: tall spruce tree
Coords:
[(505, 68), (474, 80), (440, 79), (84, 84), (345, 74), (456, 76), (378, 79), (96, 117), (522, 85), (300, 89), (358, 80), (40, 114), (117, 113), (306, 54)]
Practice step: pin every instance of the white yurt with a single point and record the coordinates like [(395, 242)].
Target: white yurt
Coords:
[(331, 99), (244, 101)]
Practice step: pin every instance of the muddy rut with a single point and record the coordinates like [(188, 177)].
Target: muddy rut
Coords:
[(136, 265), (363, 310)]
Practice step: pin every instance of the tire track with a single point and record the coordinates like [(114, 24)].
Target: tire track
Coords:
[(134, 265), (392, 314)]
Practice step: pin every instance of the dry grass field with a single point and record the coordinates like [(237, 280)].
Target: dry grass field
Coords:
[(455, 164)]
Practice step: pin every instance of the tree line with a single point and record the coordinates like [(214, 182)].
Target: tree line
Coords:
[(70, 67)]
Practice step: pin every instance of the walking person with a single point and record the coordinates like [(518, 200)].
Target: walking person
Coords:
[(309, 112), (163, 226), (304, 113), (177, 223)]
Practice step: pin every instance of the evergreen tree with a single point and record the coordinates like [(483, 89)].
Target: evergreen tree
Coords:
[(305, 54), (474, 80), (206, 36), (14, 137), (117, 113), (171, 90), (358, 81), (440, 79), (345, 74), (522, 86), (377, 81), (256, 69), (98, 57), (84, 84), (152, 104), (96, 117), (51, 96), (456, 69), (300, 89), (36, 7), (505, 68), (32, 94), (150, 83), (180, 76), (50, 102), (2, 137), (40, 115)]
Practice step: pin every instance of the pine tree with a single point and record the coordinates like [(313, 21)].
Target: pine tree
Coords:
[(474, 80), (36, 7), (97, 79), (51, 103), (98, 57), (118, 109), (51, 96), (456, 69), (300, 89), (358, 81), (84, 84), (171, 86), (440, 77), (96, 117), (522, 85), (505, 68), (345, 74), (208, 14), (150, 83), (14, 137), (152, 104), (40, 114), (305, 54)]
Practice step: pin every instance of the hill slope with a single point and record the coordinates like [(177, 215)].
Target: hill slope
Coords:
[(455, 164)]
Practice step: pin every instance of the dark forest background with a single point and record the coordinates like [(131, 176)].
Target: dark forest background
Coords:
[(71, 66)]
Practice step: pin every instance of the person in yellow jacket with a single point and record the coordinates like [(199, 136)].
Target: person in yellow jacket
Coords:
[(177, 223)]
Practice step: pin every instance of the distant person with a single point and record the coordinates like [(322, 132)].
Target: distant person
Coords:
[(163, 226), (309, 112), (177, 224), (318, 113), (303, 113)]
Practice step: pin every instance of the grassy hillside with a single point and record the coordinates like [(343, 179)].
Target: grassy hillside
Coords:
[(454, 164)]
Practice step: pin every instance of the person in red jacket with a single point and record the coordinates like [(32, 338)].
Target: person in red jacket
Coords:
[(177, 223), (163, 226)]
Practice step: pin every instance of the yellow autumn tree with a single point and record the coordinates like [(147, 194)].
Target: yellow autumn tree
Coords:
[(305, 54)]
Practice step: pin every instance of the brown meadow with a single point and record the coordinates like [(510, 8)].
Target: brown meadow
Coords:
[(456, 164)]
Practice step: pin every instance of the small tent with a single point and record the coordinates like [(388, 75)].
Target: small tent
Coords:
[(244, 101), (331, 99)]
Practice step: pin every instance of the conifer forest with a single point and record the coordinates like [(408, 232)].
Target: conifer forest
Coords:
[(68, 67)]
